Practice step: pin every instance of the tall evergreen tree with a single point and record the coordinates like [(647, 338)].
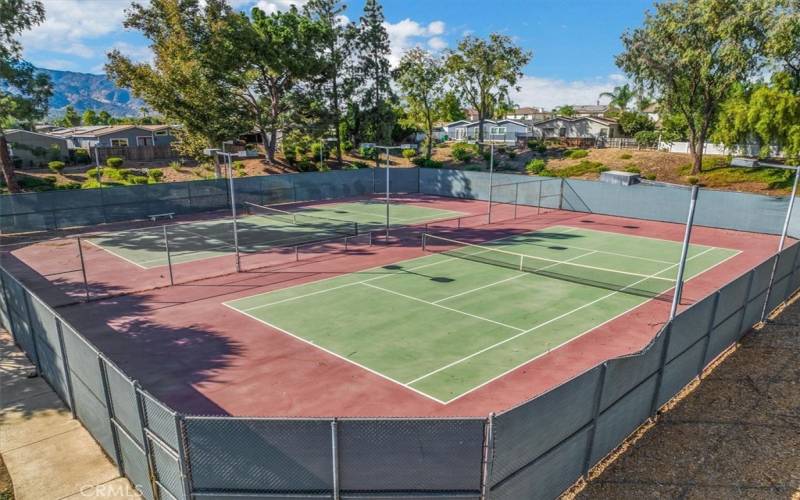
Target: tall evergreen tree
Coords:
[(334, 86), (104, 118), (89, 117), (374, 72), (71, 117)]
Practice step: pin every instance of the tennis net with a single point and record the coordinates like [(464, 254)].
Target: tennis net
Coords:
[(323, 224), (644, 285)]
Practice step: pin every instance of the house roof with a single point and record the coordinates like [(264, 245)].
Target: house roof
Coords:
[(602, 121), (23, 131), (590, 108), (494, 122), (528, 111), (102, 130)]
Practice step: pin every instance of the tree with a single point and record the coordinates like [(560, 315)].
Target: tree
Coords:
[(565, 110), (621, 97), (485, 71), (179, 84), (104, 118), (421, 79), (71, 117), (31, 90), (89, 117), (337, 40), (373, 74), (692, 54), (449, 108), (632, 122)]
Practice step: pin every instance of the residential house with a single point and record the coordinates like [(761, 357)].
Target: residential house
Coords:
[(107, 136), (463, 130), (584, 127), (529, 114), (33, 149), (653, 112), (592, 110)]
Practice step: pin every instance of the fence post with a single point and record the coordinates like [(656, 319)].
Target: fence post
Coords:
[(83, 269), (488, 456), (65, 360), (516, 198), (561, 195), (169, 257), (746, 302), (598, 396), (335, 457), (662, 364), (709, 331), (183, 456), (110, 413), (151, 470), (27, 299), (8, 304)]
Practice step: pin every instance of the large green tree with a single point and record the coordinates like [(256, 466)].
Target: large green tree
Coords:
[(373, 74), (89, 117), (449, 108), (421, 79), (29, 91), (692, 54), (485, 72), (334, 86), (71, 117), (179, 85)]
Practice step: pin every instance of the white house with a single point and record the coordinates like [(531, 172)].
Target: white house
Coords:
[(463, 130), (583, 127), (529, 114)]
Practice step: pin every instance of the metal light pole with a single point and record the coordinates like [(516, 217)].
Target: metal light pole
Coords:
[(229, 165), (387, 149), (676, 299)]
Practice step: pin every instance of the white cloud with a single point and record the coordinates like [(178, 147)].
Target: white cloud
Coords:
[(437, 43), (551, 93), (137, 53), (408, 33), (272, 6), (69, 23), (59, 64)]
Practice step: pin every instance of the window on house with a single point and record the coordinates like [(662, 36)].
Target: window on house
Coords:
[(119, 143), (162, 132), (562, 132)]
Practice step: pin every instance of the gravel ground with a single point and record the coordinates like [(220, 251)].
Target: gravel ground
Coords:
[(736, 434)]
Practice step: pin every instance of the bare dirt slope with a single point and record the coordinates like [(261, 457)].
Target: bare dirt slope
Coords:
[(736, 435)]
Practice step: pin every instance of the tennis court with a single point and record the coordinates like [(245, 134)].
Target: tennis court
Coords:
[(449, 322), (260, 228)]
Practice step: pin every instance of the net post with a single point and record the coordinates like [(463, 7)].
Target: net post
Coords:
[(459, 223), (781, 243), (335, 457), (424, 242), (521, 258), (345, 243), (491, 175), (561, 194), (169, 257), (233, 213), (676, 299), (83, 269), (296, 253)]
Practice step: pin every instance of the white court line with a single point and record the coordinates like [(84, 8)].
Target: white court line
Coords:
[(508, 279), (442, 307), (401, 219), (306, 341), (115, 254), (646, 237), (545, 323), (584, 332)]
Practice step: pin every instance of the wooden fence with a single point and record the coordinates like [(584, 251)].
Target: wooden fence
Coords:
[(135, 153)]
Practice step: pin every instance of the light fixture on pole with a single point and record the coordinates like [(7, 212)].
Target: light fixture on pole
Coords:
[(752, 163), (387, 149)]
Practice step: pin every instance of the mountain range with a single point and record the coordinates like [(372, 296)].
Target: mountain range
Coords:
[(87, 91)]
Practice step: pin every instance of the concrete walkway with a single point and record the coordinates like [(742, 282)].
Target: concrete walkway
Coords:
[(49, 455)]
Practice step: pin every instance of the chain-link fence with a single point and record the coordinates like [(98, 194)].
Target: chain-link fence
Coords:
[(534, 450)]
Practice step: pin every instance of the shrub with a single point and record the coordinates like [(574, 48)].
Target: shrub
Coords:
[(359, 164), (576, 154), (409, 153), (69, 185), (114, 161), (650, 177), (118, 174), (90, 184), (537, 146), (368, 153), (633, 169), (647, 138), (176, 166), (318, 147), (56, 166), (602, 169), (693, 179), (92, 172), (426, 162), (155, 175), (347, 166), (512, 154), (322, 166), (625, 156), (463, 152), (487, 155), (138, 179), (81, 155), (536, 166), (501, 150)]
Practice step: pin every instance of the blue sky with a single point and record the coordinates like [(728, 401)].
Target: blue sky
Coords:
[(573, 42)]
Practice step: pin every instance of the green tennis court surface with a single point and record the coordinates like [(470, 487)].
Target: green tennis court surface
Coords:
[(449, 322), (260, 230)]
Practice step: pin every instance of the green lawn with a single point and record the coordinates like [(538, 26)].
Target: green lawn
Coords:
[(447, 323)]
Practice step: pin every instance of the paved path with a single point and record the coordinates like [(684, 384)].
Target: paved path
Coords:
[(49, 455)]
